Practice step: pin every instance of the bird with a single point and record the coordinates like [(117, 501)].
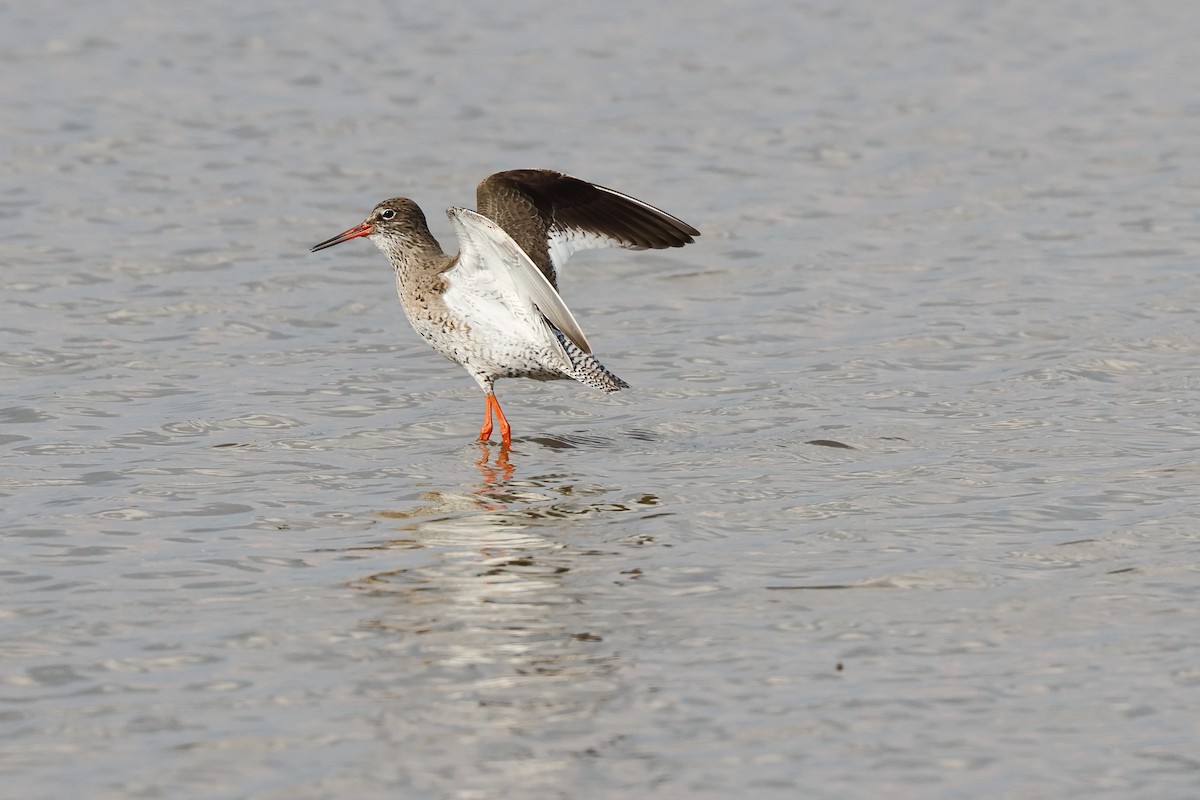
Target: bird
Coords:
[(494, 307)]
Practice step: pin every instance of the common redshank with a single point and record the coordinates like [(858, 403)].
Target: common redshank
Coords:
[(494, 308)]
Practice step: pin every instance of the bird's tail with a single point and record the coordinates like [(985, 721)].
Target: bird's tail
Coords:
[(587, 370)]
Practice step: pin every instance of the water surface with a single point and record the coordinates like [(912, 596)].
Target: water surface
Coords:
[(902, 502)]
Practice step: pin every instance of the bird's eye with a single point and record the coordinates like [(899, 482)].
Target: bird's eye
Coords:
[(387, 213)]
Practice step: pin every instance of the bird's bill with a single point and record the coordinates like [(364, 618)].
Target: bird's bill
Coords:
[(364, 229)]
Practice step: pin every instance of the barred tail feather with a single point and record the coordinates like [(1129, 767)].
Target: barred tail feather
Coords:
[(587, 370)]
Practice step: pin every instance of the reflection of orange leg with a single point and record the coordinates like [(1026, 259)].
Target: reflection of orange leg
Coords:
[(494, 477)]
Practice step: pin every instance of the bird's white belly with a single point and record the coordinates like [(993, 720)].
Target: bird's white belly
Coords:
[(488, 349)]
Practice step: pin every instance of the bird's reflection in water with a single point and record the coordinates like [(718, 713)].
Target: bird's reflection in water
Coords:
[(500, 616)]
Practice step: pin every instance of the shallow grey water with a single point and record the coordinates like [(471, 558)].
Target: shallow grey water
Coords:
[(903, 502)]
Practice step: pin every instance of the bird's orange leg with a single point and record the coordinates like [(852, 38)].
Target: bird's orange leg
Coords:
[(505, 430), (485, 432)]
